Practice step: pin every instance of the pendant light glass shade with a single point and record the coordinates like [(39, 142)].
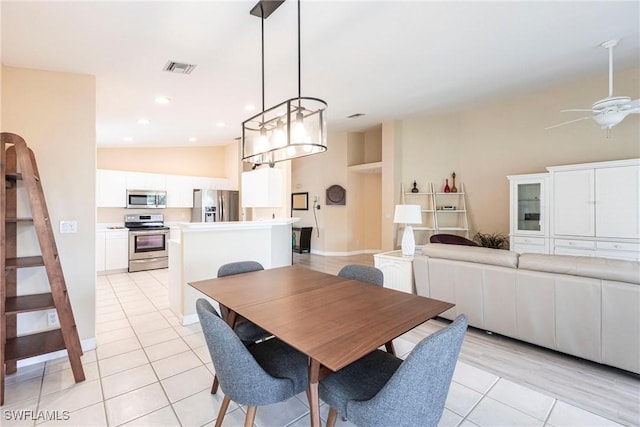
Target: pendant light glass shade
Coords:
[(294, 128)]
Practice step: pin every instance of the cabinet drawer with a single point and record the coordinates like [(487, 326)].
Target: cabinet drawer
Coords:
[(582, 244), (530, 249), (520, 240), (618, 246)]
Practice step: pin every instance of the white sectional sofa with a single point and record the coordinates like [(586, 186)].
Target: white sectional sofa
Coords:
[(583, 306)]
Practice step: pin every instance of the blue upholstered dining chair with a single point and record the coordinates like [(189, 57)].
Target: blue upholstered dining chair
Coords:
[(363, 273), (382, 390), (264, 373), (247, 331)]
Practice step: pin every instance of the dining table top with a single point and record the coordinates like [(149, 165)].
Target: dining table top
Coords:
[(331, 319)]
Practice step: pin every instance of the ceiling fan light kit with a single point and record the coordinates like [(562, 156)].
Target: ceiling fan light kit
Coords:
[(294, 128), (609, 111)]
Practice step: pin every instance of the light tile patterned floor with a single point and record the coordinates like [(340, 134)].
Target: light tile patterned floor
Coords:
[(148, 370)]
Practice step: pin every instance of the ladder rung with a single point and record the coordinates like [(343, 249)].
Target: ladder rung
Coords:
[(34, 345), (13, 176), (23, 262), (26, 303), (30, 220)]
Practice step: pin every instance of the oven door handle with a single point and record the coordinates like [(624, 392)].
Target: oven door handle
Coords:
[(147, 232)]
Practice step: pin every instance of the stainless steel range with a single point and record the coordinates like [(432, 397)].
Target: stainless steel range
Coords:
[(148, 242)]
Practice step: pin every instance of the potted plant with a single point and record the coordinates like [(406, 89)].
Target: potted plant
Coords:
[(492, 240)]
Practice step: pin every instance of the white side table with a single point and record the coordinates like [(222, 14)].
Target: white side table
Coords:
[(397, 270)]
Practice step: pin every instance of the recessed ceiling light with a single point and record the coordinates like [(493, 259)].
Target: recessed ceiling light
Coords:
[(249, 107), (162, 100), (143, 122), (127, 139), (193, 139), (220, 124)]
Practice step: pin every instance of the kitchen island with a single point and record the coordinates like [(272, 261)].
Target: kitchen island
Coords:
[(197, 250)]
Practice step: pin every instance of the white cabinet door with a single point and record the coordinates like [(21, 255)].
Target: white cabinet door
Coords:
[(145, 181), (573, 198), (397, 270), (111, 189), (116, 250), (100, 251), (616, 202), (179, 191)]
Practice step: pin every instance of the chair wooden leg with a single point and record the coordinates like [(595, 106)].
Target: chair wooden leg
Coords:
[(222, 411), (331, 418), (251, 416), (214, 387)]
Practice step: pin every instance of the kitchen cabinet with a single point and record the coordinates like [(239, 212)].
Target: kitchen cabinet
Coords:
[(111, 189), (145, 181), (529, 213), (179, 191), (112, 250), (596, 209)]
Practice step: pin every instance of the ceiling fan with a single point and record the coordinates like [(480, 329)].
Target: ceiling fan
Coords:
[(611, 110)]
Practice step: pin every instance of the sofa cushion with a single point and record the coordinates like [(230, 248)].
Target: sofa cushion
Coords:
[(478, 254), (599, 268)]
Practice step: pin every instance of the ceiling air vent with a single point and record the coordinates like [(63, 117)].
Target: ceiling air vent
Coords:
[(178, 67)]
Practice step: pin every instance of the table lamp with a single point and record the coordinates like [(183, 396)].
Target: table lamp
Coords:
[(408, 214)]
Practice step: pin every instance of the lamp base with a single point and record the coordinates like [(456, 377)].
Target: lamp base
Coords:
[(408, 241)]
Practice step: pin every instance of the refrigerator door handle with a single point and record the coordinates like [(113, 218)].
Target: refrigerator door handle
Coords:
[(221, 203)]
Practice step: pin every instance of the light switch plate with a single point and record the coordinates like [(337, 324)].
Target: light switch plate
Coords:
[(68, 226)]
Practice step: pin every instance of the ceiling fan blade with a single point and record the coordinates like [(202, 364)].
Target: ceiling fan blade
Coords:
[(633, 106), (588, 110), (566, 123)]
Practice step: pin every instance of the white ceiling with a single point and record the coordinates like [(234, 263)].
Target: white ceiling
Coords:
[(386, 59)]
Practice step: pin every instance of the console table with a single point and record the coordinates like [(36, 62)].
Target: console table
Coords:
[(302, 239)]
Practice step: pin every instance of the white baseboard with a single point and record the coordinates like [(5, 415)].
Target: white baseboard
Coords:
[(190, 319), (358, 252), (86, 344)]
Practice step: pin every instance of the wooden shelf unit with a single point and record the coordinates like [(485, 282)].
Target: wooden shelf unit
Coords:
[(436, 220), (14, 156)]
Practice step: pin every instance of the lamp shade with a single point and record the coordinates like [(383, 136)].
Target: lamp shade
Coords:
[(407, 214)]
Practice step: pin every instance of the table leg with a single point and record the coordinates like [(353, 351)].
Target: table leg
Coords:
[(314, 398)]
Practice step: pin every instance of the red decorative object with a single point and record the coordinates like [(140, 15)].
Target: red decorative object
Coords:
[(446, 186)]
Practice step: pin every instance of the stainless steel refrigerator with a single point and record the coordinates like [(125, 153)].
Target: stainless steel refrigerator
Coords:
[(215, 206)]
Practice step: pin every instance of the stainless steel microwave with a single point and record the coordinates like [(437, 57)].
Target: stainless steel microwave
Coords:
[(147, 199)]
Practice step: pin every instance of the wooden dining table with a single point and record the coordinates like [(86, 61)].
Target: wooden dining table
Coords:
[(333, 320)]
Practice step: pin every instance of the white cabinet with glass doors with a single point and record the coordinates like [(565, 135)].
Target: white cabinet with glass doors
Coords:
[(529, 213)]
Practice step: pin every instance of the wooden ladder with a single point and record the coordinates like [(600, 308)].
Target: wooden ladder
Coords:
[(18, 164)]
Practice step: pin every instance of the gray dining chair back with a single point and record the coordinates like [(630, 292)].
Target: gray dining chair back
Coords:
[(239, 267), (382, 390), (265, 373), (363, 273), (247, 331)]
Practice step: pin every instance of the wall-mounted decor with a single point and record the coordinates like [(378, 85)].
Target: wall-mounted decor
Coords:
[(299, 201), (336, 195)]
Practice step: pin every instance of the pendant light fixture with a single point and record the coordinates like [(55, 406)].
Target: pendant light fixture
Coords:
[(294, 128)]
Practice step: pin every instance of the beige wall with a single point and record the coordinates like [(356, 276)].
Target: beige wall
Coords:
[(486, 144), (195, 161), (55, 114), (482, 146)]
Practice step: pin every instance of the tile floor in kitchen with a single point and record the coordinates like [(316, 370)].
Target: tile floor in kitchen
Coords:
[(148, 370)]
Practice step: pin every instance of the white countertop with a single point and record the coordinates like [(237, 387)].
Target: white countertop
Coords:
[(235, 225)]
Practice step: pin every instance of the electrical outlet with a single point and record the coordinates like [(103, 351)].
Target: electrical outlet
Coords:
[(52, 318), (68, 226)]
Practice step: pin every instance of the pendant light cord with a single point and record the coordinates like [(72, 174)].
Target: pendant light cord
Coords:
[(299, 60)]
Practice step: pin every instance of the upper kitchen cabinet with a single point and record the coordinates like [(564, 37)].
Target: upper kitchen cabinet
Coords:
[(597, 199), (207, 183), (111, 189), (145, 181), (179, 191)]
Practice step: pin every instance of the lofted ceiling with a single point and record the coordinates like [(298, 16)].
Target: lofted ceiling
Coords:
[(384, 59)]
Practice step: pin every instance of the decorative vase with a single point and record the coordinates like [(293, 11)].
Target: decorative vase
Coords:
[(446, 186), (415, 188), (453, 183)]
